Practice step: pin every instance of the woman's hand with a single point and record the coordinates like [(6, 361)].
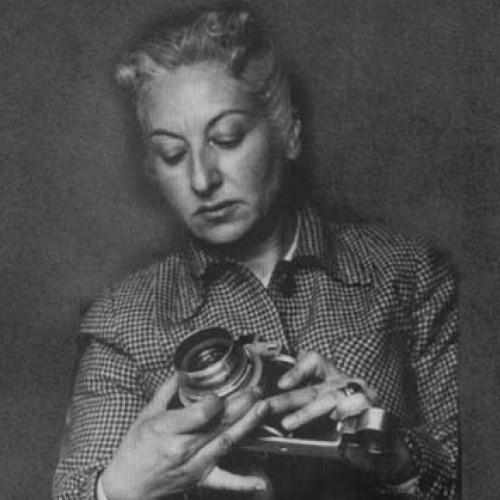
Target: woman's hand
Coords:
[(168, 451), (323, 396), (327, 395)]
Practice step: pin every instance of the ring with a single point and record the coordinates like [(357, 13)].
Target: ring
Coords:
[(351, 388)]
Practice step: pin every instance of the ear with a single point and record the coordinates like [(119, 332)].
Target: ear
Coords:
[(293, 140)]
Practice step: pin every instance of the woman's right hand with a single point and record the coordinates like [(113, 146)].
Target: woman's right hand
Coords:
[(170, 451)]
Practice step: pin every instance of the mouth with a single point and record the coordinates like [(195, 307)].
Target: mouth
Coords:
[(216, 210)]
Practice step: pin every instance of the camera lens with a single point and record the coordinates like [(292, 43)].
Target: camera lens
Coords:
[(206, 358), (210, 361)]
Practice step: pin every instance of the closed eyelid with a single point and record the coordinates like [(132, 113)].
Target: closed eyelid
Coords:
[(171, 155), (230, 132), (244, 119), (227, 135), (230, 119)]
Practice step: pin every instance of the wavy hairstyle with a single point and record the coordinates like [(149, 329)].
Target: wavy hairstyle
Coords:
[(227, 33)]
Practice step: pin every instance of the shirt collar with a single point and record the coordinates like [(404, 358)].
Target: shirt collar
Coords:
[(326, 243), (293, 247), (319, 243), (316, 242), (199, 259)]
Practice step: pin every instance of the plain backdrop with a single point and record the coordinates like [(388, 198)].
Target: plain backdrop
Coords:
[(402, 120)]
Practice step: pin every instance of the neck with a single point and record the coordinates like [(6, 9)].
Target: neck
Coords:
[(263, 258), (261, 252)]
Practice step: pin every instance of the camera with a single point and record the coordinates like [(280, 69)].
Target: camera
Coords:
[(211, 361)]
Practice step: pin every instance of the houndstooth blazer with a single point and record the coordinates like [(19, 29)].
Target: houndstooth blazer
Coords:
[(378, 305)]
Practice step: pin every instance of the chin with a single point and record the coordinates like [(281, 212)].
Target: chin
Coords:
[(223, 235)]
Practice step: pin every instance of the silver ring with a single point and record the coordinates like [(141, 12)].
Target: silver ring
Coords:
[(351, 388)]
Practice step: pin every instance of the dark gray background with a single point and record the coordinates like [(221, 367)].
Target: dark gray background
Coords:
[(404, 121)]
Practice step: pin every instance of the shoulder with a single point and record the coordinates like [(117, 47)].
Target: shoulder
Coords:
[(382, 251), (378, 244), (141, 285), (133, 299)]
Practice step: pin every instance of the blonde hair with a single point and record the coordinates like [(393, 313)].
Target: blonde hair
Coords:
[(227, 34)]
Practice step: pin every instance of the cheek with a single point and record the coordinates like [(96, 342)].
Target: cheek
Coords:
[(258, 168), (172, 189), (267, 177)]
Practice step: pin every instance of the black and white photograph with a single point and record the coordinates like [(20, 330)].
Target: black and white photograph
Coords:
[(249, 249)]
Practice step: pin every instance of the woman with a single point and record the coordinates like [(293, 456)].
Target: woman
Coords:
[(355, 304)]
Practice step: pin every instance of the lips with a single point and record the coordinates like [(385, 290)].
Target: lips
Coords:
[(216, 208)]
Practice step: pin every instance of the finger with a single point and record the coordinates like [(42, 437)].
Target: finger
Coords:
[(370, 393), (351, 406), (288, 401), (309, 365), (220, 479), (198, 417), (225, 441), (162, 396), (237, 405), (323, 405)]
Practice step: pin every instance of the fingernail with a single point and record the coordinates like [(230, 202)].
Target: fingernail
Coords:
[(260, 486), (289, 422), (284, 381), (262, 408), (213, 399)]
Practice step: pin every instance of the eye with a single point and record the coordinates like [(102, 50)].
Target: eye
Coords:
[(168, 150), (173, 159), (226, 142), (170, 156)]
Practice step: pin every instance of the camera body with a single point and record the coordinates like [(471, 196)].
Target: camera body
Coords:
[(211, 361)]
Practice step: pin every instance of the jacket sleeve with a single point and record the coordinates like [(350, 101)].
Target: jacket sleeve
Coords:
[(434, 444), (106, 401)]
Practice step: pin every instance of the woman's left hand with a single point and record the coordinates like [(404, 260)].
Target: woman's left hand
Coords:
[(326, 394), (325, 397)]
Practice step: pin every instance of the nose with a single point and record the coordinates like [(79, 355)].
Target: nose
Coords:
[(205, 175)]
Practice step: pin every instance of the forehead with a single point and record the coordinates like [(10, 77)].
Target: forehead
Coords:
[(190, 95)]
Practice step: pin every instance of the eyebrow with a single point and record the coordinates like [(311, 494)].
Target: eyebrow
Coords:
[(210, 124)]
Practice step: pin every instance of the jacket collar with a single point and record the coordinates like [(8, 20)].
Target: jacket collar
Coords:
[(324, 243), (320, 243)]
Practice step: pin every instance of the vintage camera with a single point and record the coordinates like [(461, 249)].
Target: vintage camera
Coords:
[(212, 361)]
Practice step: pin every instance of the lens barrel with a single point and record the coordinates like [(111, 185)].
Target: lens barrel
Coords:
[(210, 361)]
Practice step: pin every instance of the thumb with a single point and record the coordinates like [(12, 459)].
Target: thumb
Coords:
[(162, 396), (219, 479)]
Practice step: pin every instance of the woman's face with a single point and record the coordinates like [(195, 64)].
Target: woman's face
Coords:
[(214, 155)]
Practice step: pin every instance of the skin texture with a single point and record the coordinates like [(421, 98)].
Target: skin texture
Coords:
[(217, 160), (326, 397), (169, 451)]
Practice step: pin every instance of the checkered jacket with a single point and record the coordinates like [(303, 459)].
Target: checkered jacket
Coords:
[(379, 306)]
